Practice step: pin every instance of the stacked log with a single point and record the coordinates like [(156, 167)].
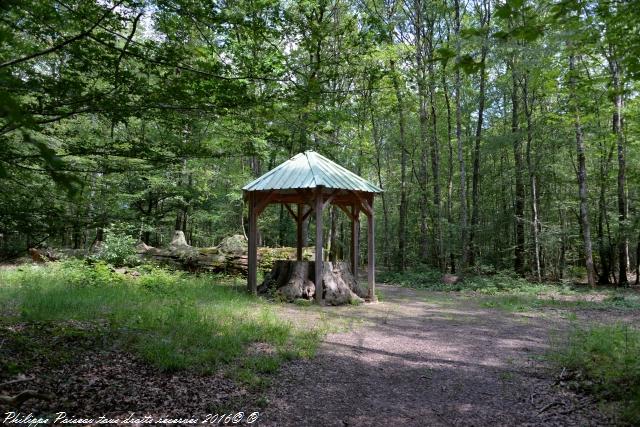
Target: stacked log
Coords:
[(230, 256)]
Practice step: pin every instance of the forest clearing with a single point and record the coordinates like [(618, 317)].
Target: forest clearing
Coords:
[(492, 352), (320, 212)]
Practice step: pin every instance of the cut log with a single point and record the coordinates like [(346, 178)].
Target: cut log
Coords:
[(229, 257), (294, 280)]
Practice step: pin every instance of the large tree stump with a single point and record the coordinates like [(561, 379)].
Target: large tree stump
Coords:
[(295, 279)]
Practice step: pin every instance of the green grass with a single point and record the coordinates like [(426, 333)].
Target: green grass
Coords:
[(603, 360), (617, 300), (507, 292), (173, 320), (495, 284)]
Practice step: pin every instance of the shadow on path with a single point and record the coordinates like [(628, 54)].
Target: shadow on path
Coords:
[(415, 361)]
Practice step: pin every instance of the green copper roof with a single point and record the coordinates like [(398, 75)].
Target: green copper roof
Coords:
[(310, 170)]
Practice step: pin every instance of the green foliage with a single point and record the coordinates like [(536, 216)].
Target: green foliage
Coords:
[(603, 360), (422, 278), (159, 115), (507, 292), (118, 247), (503, 282), (172, 320)]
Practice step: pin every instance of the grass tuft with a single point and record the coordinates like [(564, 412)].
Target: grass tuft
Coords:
[(603, 360)]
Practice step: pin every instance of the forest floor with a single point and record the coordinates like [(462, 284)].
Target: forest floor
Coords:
[(418, 357), (434, 358)]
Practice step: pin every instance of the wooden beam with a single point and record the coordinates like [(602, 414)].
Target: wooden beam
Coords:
[(299, 221), (329, 199), (319, 244), (344, 209), (355, 240), (263, 201), (364, 203), (252, 274), (371, 267), (309, 197), (293, 214)]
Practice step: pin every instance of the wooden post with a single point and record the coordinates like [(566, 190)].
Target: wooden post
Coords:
[(371, 268), (252, 276), (299, 221), (355, 241), (319, 244)]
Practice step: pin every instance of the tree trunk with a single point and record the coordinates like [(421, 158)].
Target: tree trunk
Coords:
[(604, 248), (402, 226), (475, 191), (423, 120), (638, 261), (623, 242), (385, 218), (449, 172), (463, 177), (518, 259), (535, 228), (582, 178), (435, 158), (563, 247)]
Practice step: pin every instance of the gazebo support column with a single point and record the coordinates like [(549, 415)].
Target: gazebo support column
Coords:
[(319, 245), (355, 240), (371, 267), (252, 276), (299, 221)]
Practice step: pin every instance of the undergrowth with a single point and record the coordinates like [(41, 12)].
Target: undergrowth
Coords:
[(172, 319), (603, 361), (506, 291)]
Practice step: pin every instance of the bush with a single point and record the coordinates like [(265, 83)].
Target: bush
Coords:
[(83, 273), (604, 361), (118, 248)]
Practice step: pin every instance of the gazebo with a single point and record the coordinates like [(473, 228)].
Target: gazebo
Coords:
[(310, 182)]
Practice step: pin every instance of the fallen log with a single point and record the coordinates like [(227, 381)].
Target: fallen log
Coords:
[(230, 256), (292, 280)]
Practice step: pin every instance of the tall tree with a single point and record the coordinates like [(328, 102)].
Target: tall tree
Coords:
[(581, 172)]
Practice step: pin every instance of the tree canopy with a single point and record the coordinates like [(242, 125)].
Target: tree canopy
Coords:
[(504, 133)]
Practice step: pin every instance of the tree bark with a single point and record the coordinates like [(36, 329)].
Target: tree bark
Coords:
[(518, 255), (423, 120), (604, 248), (582, 177), (385, 214), (463, 177), (435, 156), (475, 191), (449, 172), (535, 227), (402, 225), (623, 242)]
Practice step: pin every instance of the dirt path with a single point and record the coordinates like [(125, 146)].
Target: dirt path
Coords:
[(420, 358)]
